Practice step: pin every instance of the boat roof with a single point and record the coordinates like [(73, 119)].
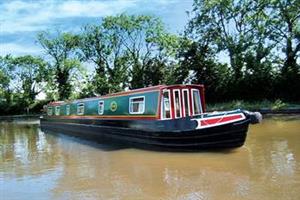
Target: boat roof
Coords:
[(139, 90)]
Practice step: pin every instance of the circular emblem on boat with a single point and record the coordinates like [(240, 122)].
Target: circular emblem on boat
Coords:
[(113, 106)]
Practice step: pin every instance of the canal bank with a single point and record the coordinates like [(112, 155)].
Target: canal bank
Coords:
[(19, 117), (264, 107)]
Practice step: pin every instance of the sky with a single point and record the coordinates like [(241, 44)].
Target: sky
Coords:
[(22, 20)]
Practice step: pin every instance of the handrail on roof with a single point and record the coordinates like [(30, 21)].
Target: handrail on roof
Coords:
[(126, 92)]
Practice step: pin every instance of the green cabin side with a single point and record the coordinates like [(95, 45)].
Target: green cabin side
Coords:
[(134, 104)]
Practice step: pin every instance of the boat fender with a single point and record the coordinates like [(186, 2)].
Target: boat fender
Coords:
[(255, 117)]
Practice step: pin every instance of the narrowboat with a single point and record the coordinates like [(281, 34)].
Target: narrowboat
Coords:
[(165, 117)]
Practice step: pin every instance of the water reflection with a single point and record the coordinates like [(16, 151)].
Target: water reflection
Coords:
[(35, 165)]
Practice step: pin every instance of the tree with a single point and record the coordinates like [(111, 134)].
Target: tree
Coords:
[(198, 65), (103, 48), (285, 27), (240, 29), (285, 31), (64, 63), (5, 75), (5, 79), (21, 79), (260, 71), (30, 74), (128, 51), (145, 45), (231, 24)]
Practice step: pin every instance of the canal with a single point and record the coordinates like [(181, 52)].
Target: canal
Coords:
[(38, 165)]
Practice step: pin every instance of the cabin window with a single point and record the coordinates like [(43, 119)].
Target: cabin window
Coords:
[(67, 109), (165, 105), (101, 107), (186, 102), (177, 103), (196, 102), (137, 105), (57, 110), (49, 111), (80, 109)]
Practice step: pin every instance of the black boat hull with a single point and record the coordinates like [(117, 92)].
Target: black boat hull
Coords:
[(177, 135)]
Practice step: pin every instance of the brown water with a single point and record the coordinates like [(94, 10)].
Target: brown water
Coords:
[(37, 165)]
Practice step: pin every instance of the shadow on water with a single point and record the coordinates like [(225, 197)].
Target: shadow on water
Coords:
[(87, 141), (108, 145)]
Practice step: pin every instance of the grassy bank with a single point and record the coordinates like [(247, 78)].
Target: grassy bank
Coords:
[(19, 117), (271, 106)]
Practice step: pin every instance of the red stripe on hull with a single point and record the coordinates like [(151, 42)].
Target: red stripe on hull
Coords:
[(220, 120)]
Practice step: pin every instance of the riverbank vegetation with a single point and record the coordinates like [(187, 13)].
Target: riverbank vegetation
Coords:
[(266, 106), (242, 51)]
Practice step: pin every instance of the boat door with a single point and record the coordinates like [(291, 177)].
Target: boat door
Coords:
[(180, 102), (177, 103), (181, 99), (186, 102)]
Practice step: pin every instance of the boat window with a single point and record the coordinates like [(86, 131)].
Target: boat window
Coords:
[(50, 111), (80, 109), (186, 102), (57, 110), (101, 107), (137, 105), (177, 103), (196, 102), (165, 105), (67, 109)]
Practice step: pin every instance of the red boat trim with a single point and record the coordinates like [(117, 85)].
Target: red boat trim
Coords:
[(218, 120), (158, 111)]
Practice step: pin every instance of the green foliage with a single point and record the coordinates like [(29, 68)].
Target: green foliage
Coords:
[(249, 32), (5, 79), (22, 79), (198, 58), (5, 71), (253, 105), (99, 46), (95, 47), (285, 31), (260, 38), (64, 64), (128, 50), (145, 44), (227, 24), (278, 104), (30, 73)]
